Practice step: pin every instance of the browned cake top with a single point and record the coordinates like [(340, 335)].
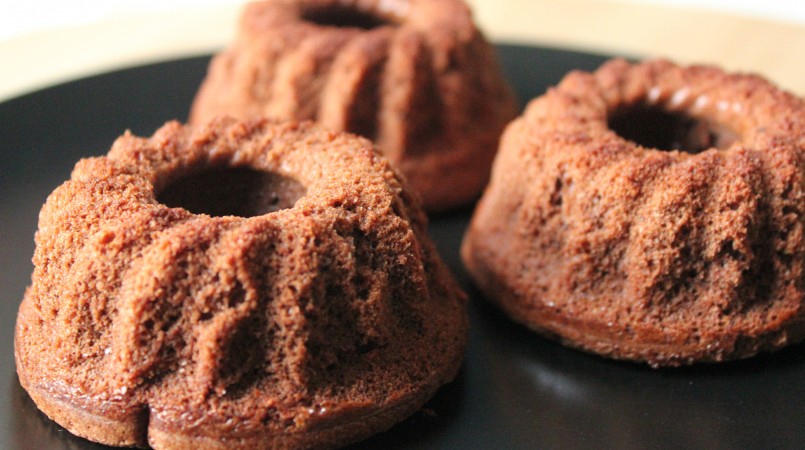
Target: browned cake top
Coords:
[(650, 211), (246, 282)]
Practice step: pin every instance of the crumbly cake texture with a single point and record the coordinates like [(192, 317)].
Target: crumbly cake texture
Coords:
[(320, 316), (414, 76), (650, 254)]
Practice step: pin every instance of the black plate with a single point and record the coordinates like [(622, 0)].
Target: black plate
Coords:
[(516, 390)]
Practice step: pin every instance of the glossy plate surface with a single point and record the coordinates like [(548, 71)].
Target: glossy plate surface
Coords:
[(516, 390)]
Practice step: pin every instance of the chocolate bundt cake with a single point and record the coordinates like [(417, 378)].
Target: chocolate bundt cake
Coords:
[(241, 285), (650, 212), (415, 76)]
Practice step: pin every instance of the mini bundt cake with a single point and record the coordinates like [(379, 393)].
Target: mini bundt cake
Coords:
[(650, 212), (241, 285), (414, 76)]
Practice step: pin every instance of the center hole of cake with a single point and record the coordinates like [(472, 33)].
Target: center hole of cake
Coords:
[(654, 127), (239, 191), (343, 16)]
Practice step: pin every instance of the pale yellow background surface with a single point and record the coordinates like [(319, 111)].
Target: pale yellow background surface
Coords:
[(775, 49)]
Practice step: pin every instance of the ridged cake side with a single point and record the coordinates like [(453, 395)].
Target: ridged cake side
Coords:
[(668, 257), (317, 324), (424, 85)]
